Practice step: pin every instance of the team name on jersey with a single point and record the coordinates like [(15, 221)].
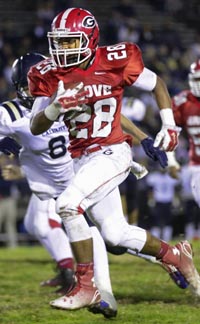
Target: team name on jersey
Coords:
[(98, 90), (55, 130)]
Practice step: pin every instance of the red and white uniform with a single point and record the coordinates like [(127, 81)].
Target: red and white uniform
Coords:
[(102, 155), (186, 109)]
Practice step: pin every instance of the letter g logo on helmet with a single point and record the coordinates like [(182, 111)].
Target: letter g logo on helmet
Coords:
[(88, 22)]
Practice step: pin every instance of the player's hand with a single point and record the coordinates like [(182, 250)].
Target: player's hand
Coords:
[(9, 146), (11, 172), (167, 138), (174, 172), (72, 99), (154, 152)]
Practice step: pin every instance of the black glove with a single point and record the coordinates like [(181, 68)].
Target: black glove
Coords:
[(9, 146), (154, 152)]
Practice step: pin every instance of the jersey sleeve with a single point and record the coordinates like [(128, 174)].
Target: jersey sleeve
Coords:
[(177, 102), (41, 83), (134, 66)]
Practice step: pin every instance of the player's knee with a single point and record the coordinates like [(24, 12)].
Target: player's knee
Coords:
[(36, 229), (67, 204), (40, 231), (67, 210), (111, 232)]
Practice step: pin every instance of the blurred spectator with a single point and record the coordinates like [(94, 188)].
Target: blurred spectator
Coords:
[(8, 208), (147, 34), (45, 11), (195, 48), (126, 8), (162, 47), (129, 31)]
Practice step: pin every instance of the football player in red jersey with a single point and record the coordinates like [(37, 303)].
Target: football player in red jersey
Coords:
[(84, 84), (186, 107)]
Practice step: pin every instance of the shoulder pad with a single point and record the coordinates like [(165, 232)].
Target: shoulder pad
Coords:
[(13, 109)]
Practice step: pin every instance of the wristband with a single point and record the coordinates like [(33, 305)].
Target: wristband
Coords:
[(51, 112), (167, 117)]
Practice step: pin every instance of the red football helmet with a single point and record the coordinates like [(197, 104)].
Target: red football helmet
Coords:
[(194, 78), (73, 23)]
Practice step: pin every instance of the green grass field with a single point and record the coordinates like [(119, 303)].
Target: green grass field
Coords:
[(144, 292)]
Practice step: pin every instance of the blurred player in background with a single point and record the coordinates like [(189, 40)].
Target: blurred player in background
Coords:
[(83, 84), (186, 107)]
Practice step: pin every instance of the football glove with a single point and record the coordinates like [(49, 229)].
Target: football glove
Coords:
[(9, 146), (73, 99), (154, 152), (167, 138), (67, 100)]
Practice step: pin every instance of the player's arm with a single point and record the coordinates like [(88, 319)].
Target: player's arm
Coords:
[(47, 110), (39, 122), (129, 127), (147, 80), (167, 138)]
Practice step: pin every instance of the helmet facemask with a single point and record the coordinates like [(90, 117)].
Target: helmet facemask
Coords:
[(26, 99), (66, 57), (194, 78), (194, 83)]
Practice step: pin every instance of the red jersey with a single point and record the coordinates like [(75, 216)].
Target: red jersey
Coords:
[(186, 109), (113, 68)]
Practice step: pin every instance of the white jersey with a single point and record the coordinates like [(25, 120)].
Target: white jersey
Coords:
[(44, 159)]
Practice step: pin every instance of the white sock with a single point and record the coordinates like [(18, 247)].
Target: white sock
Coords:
[(101, 267)]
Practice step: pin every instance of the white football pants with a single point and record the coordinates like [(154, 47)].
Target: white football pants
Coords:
[(94, 189)]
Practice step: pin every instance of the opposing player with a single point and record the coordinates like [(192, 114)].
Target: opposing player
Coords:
[(100, 150), (41, 219)]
